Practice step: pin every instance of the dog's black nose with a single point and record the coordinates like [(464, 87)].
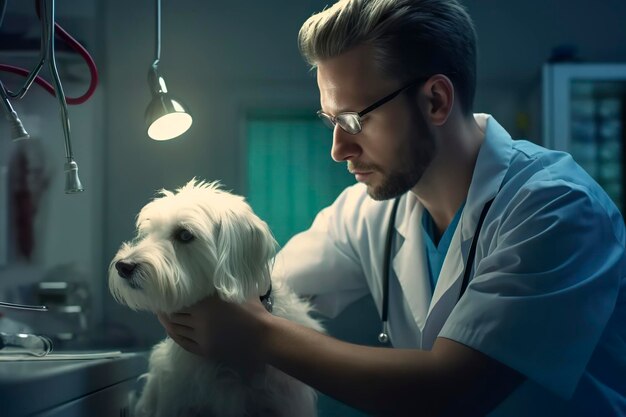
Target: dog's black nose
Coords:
[(125, 269)]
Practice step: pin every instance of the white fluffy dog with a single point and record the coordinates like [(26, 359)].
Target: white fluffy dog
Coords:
[(190, 244)]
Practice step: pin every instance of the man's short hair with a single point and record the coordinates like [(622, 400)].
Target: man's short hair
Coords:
[(410, 38)]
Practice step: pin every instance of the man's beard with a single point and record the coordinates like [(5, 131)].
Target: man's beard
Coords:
[(419, 155), (412, 167), (394, 185)]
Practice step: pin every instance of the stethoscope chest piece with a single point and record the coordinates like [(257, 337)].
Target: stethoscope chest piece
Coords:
[(383, 337)]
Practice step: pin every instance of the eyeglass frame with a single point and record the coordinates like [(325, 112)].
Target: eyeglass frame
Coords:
[(326, 118)]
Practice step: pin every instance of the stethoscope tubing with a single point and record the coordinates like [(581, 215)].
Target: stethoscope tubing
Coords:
[(383, 337)]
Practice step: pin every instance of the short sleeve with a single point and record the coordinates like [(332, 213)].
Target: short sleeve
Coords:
[(545, 284), (322, 261)]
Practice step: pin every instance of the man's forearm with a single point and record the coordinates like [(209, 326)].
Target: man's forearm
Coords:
[(450, 380), (377, 380)]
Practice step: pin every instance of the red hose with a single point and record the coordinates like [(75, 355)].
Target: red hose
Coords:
[(74, 44)]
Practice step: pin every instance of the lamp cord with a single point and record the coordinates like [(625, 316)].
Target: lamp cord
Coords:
[(157, 52)]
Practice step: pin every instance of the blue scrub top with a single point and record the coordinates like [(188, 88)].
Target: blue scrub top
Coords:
[(436, 251)]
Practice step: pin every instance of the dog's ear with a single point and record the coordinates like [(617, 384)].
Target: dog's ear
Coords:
[(245, 248)]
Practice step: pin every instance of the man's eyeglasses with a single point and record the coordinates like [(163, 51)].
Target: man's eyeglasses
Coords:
[(351, 121)]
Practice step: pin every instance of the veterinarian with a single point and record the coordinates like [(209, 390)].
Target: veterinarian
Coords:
[(501, 283)]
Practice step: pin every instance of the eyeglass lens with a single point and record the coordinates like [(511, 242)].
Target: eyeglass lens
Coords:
[(350, 122)]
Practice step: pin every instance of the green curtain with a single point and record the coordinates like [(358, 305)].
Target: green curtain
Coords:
[(291, 175)]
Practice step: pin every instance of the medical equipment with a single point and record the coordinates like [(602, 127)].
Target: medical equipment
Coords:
[(24, 343), (383, 337), (31, 344), (166, 116), (47, 52), (23, 306)]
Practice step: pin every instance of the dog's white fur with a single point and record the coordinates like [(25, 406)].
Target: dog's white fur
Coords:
[(230, 255)]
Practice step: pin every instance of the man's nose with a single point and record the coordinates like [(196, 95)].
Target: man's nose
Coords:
[(345, 146)]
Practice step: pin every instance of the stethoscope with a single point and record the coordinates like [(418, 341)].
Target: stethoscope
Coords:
[(383, 337)]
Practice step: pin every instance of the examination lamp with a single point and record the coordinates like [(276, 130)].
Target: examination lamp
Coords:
[(166, 116)]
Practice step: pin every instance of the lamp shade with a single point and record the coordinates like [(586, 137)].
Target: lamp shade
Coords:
[(166, 117)]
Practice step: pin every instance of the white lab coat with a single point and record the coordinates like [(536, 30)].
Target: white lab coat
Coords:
[(548, 295)]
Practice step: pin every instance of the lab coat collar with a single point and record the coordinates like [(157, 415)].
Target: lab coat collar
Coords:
[(403, 216), (410, 263), (494, 159), (491, 166)]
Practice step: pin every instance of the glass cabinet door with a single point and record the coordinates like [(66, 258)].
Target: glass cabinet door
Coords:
[(597, 111)]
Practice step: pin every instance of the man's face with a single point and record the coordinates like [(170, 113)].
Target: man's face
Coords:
[(395, 145)]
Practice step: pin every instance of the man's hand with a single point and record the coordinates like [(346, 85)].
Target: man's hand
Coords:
[(225, 332)]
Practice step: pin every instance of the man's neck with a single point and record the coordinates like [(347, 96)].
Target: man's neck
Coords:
[(445, 184)]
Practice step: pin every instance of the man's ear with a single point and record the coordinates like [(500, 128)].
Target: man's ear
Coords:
[(439, 95)]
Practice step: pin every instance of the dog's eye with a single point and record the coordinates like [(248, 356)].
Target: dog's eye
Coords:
[(184, 235)]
